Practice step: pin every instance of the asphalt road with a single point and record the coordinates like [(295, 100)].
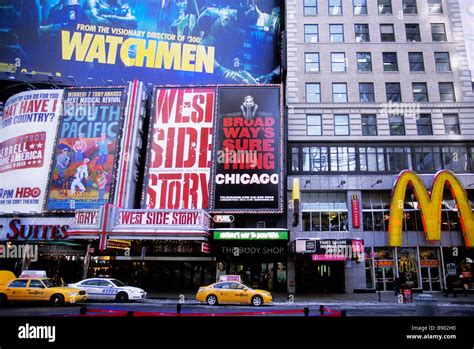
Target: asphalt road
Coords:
[(192, 308)]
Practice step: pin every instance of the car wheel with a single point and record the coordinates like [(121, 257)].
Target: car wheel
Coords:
[(56, 300), (211, 300), (121, 297), (3, 299), (257, 301)]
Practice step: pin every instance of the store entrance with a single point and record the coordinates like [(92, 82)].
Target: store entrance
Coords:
[(320, 277), (269, 276)]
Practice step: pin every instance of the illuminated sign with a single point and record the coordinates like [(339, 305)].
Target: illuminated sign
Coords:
[(355, 212), (430, 206), (251, 235)]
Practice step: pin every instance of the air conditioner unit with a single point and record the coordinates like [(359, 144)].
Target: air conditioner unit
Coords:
[(261, 224)]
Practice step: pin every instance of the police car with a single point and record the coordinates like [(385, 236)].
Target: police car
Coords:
[(109, 289)]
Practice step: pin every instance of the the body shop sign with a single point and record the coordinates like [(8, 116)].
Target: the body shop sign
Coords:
[(247, 163), (251, 235)]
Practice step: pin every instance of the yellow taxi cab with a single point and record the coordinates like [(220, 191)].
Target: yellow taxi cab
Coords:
[(226, 291), (13, 289)]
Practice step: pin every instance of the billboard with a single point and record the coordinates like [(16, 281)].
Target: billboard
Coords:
[(28, 129), (179, 156), (86, 152), (430, 204), (177, 41), (247, 174)]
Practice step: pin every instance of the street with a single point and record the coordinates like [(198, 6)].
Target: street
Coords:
[(169, 307)]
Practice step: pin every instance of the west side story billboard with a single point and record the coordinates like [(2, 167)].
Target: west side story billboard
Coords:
[(247, 171), (87, 149), (179, 148), (175, 41), (28, 129)]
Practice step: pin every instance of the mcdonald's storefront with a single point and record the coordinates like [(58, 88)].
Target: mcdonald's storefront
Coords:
[(417, 230)]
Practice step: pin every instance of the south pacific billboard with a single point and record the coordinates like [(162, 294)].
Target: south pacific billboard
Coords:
[(86, 42), (247, 174), (87, 149), (28, 129), (179, 148)]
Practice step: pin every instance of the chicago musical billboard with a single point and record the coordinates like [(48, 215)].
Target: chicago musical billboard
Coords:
[(180, 42), (28, 129), (247, 174)]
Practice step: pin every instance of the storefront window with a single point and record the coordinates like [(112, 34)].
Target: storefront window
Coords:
[(408, 266), (369, 261), (430, 269), (375, 210), (384, 268), (324, 211)]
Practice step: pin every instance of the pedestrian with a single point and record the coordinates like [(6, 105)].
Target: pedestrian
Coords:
[(396, 285), (450, 286)]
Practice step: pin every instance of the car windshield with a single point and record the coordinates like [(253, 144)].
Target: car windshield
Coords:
[(51, 283), (117, 283)]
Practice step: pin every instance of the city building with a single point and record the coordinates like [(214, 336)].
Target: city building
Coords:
[(373, 88)]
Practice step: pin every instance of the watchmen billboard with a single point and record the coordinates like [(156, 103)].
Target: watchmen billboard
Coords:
[(172, 41)]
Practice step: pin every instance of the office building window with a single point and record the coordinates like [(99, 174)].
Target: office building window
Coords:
[(343, 159), (295, 159), (364, 61), (423, 125), (420, 92), (341, 125), (360, 7), (385, 7), (313, 125), (366, 92), (313, 93), (443, 62), (311, 62), (399, 159), (446, 92), (339, 92), (315, 159), (397, 125), (336, 32), (338, 62), (409, 7), (361, 32), (435, 6), (413, 32), (311, 33), (324, 211), (387, 33), (438, 32), (335, 7), (455, 158), (393, 92), (310, 7), (375, 210), (372, 159), (451, 124), (369, 124), (390, 61), (416, 61), (427, 159)]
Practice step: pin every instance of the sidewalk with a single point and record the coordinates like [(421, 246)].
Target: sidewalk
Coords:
[(321, 298)]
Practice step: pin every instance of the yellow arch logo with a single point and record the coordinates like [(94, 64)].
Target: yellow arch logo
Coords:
[(430, 206)]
